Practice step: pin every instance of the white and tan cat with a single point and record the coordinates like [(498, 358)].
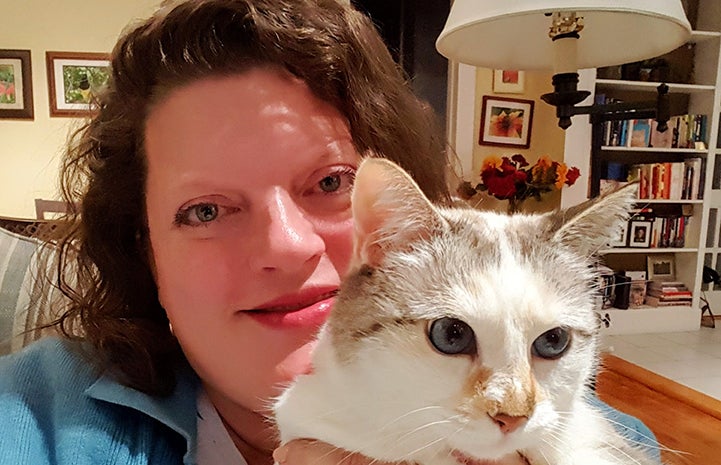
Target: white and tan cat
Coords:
[(461, 337)]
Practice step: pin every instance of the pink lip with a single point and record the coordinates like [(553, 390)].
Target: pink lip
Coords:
[(308, 309)]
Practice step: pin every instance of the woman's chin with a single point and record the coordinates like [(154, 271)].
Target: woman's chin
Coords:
[(296, 363)]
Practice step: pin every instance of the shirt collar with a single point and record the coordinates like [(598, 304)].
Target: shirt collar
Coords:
[(177, 411)]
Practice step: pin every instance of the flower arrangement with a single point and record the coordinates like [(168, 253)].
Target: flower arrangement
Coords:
[(513, 179)]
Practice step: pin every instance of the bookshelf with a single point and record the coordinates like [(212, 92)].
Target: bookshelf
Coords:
[(698, 94)]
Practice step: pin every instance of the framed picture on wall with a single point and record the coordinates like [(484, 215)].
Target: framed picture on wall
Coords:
[(73, 80), (16, 85), (508, 81), (506, 122)]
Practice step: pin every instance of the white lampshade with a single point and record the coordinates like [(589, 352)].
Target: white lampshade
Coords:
[(513, 34)]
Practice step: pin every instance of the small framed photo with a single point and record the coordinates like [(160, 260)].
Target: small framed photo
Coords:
[(661, 267), (621, 239), (16, 85), (639, 234), (506, 122), (73, 80), (508, 81)]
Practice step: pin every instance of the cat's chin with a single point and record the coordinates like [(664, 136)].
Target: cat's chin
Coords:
[(514, 458)]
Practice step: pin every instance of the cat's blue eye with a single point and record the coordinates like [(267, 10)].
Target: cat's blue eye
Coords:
[(552, 344), (452, 336)]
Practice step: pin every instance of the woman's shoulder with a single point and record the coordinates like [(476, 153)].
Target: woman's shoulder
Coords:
[(48, 414), (48, 363)]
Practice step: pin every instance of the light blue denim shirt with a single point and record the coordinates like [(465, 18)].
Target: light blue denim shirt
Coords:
[(54, 410)]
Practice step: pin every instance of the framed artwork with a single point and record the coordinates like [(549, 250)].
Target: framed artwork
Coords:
[(639, 234), (621, 239), (506, 122), (661, 267), (508, 81), (73, 79), (16, 85)]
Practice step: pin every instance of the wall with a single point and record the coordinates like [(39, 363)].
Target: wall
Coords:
[(546, 137), (29, 150)]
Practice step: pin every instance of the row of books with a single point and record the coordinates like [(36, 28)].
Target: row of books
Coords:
[(667, 293), (684, 131), (657, 229), (670, 180)]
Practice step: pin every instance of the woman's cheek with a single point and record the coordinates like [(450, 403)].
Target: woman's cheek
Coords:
[(339, 244)]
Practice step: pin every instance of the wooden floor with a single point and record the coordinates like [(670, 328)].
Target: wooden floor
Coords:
[(683, 419)]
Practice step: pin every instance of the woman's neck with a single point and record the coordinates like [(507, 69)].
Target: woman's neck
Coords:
[(250, 431), (253, 455)]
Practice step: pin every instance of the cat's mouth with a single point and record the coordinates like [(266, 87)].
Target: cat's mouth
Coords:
[(511, 459)]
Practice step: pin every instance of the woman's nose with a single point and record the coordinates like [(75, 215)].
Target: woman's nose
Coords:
[(291, 237)]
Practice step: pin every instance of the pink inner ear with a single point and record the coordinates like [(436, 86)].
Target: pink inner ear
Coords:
[(389, 210)]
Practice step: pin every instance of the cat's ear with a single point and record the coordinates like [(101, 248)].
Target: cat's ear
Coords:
[(389, 210), (591, 225)]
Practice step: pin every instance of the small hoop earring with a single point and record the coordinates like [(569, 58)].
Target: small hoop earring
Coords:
[(170, 327)]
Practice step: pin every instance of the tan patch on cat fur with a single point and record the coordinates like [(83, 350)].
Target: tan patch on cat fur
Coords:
[(481, 400)]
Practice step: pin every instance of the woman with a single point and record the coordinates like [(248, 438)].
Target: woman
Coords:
[(213, 233), (214, 229)]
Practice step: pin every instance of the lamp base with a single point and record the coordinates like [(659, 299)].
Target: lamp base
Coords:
[(564, 96)]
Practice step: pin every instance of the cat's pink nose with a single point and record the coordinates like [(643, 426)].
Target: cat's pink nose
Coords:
[(509, 423)]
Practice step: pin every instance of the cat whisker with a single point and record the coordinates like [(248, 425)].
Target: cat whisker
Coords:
[(430, 444), (647, 445), (422, 427), (407, 414), (554, 432)]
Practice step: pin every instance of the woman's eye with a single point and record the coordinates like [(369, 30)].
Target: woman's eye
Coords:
[(452, 336), (199, 214), (205, 212), (330, 183), (339, 181), (552, 344)]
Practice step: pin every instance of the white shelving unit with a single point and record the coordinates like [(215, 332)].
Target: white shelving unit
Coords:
[(703, 246)]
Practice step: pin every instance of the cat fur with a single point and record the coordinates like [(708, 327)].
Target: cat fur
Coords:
[(379, 387)]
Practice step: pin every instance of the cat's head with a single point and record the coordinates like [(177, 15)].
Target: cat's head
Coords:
[(464, 333)]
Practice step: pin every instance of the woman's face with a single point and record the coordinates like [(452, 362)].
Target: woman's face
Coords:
[(248, 205)]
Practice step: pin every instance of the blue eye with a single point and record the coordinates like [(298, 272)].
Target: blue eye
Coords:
[(205, 212), (338, 180), (200, 214), (330, 183), (452, 336), (552, 344)]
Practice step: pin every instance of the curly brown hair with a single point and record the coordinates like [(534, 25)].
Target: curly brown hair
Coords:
[(105, 267)]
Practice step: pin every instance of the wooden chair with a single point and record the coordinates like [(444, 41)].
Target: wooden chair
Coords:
[(55, 207), (37, 229)]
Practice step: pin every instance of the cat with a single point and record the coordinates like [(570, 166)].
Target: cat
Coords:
[(460, 336)]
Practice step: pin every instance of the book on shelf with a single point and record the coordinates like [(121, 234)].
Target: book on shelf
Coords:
[(661, 140), (639, 132), (659, 302), (667, 293), (684, 131), (667, 180), (668, 286)]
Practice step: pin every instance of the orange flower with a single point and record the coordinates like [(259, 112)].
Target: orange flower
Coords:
[(491, 162), (561, 171), (507, 124)]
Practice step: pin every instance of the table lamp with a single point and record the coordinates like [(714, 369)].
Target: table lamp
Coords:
[(563, 36)]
